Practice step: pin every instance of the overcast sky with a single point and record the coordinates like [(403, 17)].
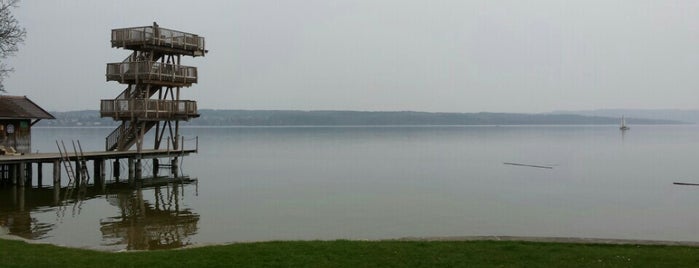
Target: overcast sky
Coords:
[(380, 55)]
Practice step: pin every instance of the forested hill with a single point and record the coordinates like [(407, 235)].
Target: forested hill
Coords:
[(347, 118)]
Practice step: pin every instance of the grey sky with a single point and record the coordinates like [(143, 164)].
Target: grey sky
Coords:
[(441, 56)]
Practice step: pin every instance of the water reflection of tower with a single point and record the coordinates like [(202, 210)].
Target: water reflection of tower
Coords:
[(139, 226), (161, 224)]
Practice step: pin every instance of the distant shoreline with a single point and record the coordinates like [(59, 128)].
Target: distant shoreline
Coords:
[(257, 118)]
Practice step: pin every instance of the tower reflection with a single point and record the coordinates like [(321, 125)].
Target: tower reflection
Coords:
[(149, 214), (143, 224)]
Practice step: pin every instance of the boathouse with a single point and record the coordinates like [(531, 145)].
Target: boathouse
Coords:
[(17, 115)]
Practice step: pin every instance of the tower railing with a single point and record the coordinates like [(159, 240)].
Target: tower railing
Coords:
[(148, 109), (157, 36), (127, 72)]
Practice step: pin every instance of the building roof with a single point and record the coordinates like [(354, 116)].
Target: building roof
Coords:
[(20, 107)]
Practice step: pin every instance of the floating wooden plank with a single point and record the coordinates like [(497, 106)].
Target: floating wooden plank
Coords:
[(686, 183), (527, 165)]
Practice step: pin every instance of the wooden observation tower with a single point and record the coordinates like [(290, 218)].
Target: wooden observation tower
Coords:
[(153, 77)]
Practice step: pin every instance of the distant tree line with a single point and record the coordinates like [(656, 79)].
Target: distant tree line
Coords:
[(347, 118)]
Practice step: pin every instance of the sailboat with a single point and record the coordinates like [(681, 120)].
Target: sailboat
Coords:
[(623, 124)]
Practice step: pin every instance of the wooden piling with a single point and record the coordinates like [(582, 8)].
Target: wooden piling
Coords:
[(57, 174), (78, 174), (98, 170), (138, 169), (22, 179), (156, 167), (30, 174), (13, 174), (132, 170), (39, 174), (116, 169), (173, 166)]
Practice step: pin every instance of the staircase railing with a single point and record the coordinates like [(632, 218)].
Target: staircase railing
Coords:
[(125, 135), (112, 140)]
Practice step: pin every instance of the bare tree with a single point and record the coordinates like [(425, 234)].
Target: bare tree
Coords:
[(11, 34)]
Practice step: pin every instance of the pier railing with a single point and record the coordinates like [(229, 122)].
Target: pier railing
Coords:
[(152, 72), (147, 109), (156, 36)]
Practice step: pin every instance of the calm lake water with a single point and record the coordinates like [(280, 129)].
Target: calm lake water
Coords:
[(281, 183)]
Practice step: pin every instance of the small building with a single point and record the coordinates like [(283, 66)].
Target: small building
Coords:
[(17, 115)]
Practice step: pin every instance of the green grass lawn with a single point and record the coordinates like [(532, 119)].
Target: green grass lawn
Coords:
[(361, 254)]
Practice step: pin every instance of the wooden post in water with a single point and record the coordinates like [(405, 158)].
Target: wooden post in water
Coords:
[(173, 166), (78, 174), (131, 169), (98, 169), (29, 174), (57, 174), (156, 167), (39, 174), (22, 166), (116, 169), (13, 173), (139, 169)]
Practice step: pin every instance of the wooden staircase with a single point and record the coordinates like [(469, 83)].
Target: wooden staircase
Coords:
[(126, 134)]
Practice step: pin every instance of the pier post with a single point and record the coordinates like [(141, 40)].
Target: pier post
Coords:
[(22, 166), (98, 169), (116, 169), (30, 174), (39, 174), (57, 174), (131, 169), (156, 167), (173, 166), (13, 173), (138, 169), (103, 170), (78, 174)]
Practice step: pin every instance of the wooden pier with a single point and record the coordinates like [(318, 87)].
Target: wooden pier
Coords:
[(17, 169)]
